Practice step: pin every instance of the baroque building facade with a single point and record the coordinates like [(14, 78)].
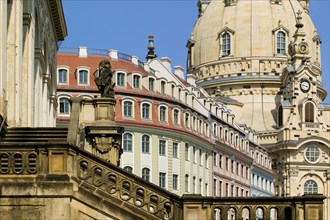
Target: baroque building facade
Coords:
[(30, 31), (47, 173), (176, 136), (264, 56)]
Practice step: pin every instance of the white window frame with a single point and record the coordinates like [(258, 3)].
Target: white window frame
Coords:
[(67, 74), (160, 116), (124, 78), (275, 31), (134, 76), (87, 69), (132, 110), (59, 105), (142, 110), (221, 34), (132, 142), (142, 144)]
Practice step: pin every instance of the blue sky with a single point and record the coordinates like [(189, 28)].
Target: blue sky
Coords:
[(125, 25)]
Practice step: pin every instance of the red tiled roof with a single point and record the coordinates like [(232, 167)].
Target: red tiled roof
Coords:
[(92, 62)]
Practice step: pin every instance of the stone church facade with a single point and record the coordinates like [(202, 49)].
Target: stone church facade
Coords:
[(266, 56)]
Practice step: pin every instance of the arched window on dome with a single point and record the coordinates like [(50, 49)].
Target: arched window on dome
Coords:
[(281, 44), (310, 187), (309, 112), (225, 46)]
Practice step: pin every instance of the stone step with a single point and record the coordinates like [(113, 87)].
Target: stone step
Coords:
[(35, 135)]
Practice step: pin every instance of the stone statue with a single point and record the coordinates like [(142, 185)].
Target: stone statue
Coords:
[(104, 80)]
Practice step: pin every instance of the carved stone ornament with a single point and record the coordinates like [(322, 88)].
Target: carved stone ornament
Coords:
[(102, 144)]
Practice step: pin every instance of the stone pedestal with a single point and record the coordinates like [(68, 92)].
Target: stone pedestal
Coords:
[(106, 142), (104, 110), (104, 135)]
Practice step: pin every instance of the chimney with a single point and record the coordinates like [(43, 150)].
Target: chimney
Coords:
[(179, 71), (167, 63), (83, 52), (113, 54), (191, 79)]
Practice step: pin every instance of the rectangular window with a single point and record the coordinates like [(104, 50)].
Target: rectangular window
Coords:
[(194, 184), (242, 170), (206, 188), (220, 188), (162, 180), (151, 84), (62, 76), (176, 116), (162, 87), (206, 160), (162, 147), (237, 191), (232, 166), (175, 150), (146, 111), (186, 183), (214, 187), (227, 163), (247, 172), (120, 79), (136, 81), (162, 114), (237, 168), (83, 77), (194, 152), (247, 193), (214, 159), (128, 112), (227, 189), (220, 161), (175, 182), (232, 190), (242, 192), (186, 151)]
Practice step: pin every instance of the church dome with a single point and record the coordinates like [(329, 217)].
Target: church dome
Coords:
[(239, 38)]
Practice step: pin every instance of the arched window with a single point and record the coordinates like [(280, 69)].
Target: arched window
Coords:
[(146, 111), (128, 109), (225, 45), (146, 174), (151, 84), (128, 169), (309, 112), (280, 42), (128, 142), (280, 116), (176, 116), (162, 114), (120, 79), (83, 77), (62, 76), (64, 106), (162, 87), (310, 187), (136, 81), (145, 144)]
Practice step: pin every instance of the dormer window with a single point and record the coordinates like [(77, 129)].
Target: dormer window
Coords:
[(120, 79), (83, 77), (62, 76), (162, 87), (225, 45), (136, 81), (151, 84), (280, 48)]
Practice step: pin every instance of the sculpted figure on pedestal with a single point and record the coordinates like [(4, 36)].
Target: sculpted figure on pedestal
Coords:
[(104, 80)]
